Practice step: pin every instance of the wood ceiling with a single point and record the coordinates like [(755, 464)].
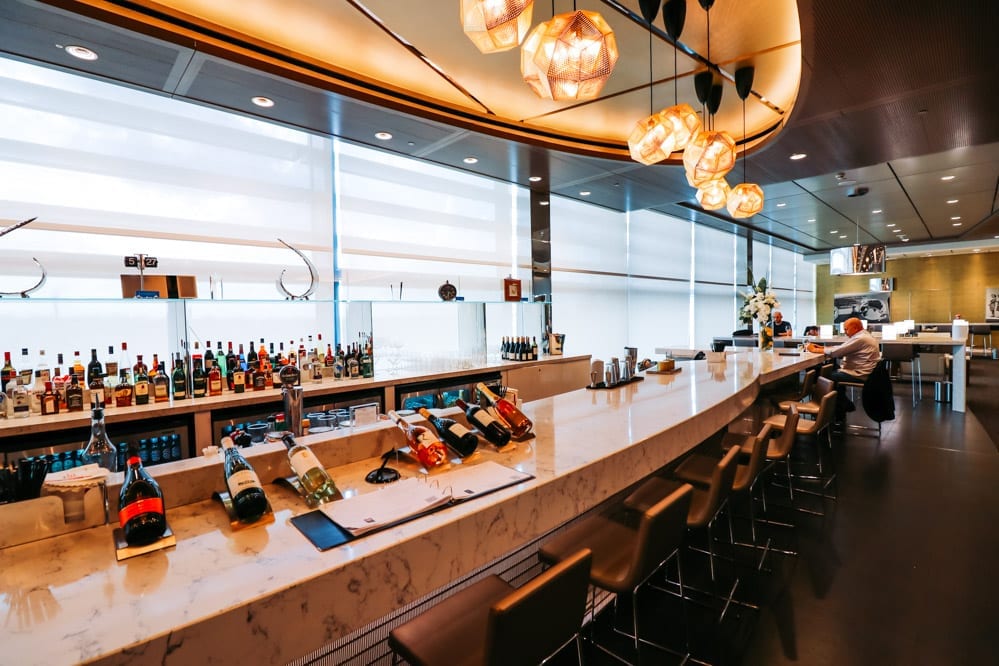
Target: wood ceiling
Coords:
[(887, 96)]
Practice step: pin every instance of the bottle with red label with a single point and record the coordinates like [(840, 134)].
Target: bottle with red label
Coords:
[(141, 511)]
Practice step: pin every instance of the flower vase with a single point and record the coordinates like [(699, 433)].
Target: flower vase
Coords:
[(766, 336)]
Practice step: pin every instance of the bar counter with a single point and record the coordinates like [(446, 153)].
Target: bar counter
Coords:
[(266, 595)]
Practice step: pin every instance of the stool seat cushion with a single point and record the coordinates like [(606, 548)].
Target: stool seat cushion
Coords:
[(811, 407), (698, 469), (805, 427), (453, 632), (611, 540)]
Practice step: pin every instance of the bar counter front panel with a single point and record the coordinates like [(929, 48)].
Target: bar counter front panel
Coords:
[(266, 595)]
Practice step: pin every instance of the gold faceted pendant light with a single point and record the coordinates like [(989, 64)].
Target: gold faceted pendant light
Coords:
[(709, 156), (569, 57), (652, 140), (713, 194), (745, 200), (496, 25), (683, 122)]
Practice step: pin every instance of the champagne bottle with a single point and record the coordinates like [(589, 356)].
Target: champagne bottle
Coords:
[(316, 482), (247, 494), (519, 424), (458, 437), (99, 449), (430, 452), (491, 429), (141, 512)]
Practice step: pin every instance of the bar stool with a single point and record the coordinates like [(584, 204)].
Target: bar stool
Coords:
[(820, 387), (627, 549), (802, 394), (984, 330), (812, 429), (491, 622), (899, 353)]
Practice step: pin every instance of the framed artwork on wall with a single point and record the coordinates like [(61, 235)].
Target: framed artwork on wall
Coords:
[(872, 306), (992, 304)]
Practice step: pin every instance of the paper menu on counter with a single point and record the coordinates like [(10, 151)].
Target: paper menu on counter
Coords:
[(410, 498)]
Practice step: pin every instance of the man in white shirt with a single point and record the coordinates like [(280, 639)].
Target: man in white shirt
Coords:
[(858, 357)]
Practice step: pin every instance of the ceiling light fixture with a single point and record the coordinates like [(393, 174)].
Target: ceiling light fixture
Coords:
[(876, 211), (956, 224), (585, 193), (714, 194), (890, 224), (542, 203), (745, 199), (834, 231), (81, 52), (383, 136), (534, 179), (471, 160), (798, 156), (261, 101), (781, 204), (947, 177), (843, 236), (956, 217), (496, 25), (569, 57), (811, 219), (952, 201), (904, 239)]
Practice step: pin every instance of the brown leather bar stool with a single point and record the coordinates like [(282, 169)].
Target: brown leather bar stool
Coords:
[(820, 387), (803, 393), (492, 623), (812, 429), (628, 548)]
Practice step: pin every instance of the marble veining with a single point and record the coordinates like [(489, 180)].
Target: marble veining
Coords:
[(265, 595)]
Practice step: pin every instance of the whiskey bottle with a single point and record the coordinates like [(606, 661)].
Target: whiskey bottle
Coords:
[(123, 391), (50, 400), (78, 368), (179, 379), (140, 388), (140, 367), (199, 379), (161, 384), (215, 381), (74, 395), (7, 373), (111, 365)]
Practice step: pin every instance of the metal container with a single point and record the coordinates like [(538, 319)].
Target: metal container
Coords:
[(942, 391)]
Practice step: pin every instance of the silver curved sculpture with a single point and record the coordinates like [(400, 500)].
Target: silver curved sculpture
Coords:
[(313, 277), (38, 285)]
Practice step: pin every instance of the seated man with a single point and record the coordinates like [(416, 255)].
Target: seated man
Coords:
[(782, 329), (858, 357)]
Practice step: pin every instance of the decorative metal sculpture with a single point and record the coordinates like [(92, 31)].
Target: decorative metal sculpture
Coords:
[(313, 277), (38, 285)]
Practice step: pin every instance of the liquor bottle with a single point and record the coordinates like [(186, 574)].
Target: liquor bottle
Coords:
[(50, 400), (220, 360), (140, 367), (7, 373), (266, 369), (367, 360), (59, 382), (534, 347), (199, 379), (140, 388), (209, 357), (99, 449), (317, 373), (20, 399), (141, 512), (353, 365), (251, 356), (491, 428), (179, 379), (330, 359), (316, 482), (42, 375), (78, 368), (215, 380), (519, 424), (430, 451), (111, 365), (244, 487), (124, 391), (338, 365), (96, 386), (125, 359), (74, 395), (462, 440), (238, 379), (161, 384), (231, 361)]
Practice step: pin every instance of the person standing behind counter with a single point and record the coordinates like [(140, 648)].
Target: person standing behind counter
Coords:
[(858, 357)]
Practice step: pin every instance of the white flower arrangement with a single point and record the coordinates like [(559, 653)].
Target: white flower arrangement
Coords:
[(759, 304)]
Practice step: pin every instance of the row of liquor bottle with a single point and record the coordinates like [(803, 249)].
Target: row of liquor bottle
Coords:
[(152, 451), (519, 348), (34, 388)]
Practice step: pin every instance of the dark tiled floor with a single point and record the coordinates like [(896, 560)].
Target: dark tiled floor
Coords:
[(901, 570)]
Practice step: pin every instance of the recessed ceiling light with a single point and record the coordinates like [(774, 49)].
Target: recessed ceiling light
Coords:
[(811, 219), (890, 224), (947, 177), (876, 211), (956, 224), (834, 231), (956, 217), (896, 231), (843, 236), (265, 102), (952, 201), (471, 160), (798, 156), (781, 204), (534, 179), (383, 136), (542, 203), (81, 52), (904, 239), (584, 193)]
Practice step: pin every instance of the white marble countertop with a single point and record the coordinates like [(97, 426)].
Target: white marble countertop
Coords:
[(266, 595)]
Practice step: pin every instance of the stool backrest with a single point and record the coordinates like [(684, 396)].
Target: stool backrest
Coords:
[(746, 474), (898, 352), (827, 370), (827, 409), (807, 383), (823, 385), (534, 621), (782, 445), (660, 533), (721, 483)]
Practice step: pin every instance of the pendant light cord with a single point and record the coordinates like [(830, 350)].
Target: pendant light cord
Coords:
[(650, 68)]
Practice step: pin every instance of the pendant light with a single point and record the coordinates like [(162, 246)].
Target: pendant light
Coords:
[(569, 57), (710, 155), (713, 194), (651, 140), (745, 199), (682, 121), (496, 25)]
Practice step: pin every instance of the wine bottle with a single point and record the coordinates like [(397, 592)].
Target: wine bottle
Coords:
[(179, 379), (519, 424), (209, 356), (141, 512), (231, 363), (316, 482), (492, 429), (99, 449), (461, 440), (247, 494), (430, 451)]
